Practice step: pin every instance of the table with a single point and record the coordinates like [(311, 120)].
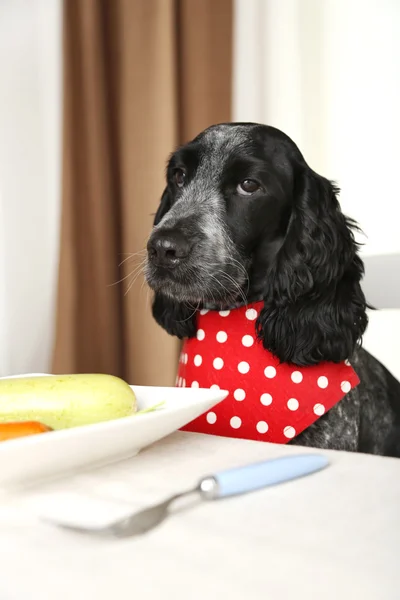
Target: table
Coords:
[(333, 535)]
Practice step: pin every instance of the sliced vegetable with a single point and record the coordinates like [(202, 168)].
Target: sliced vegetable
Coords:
[(9, 431)]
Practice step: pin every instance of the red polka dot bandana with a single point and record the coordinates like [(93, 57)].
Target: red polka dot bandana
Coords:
[(268, 401)]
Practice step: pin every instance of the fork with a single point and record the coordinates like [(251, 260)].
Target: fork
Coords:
[(224, 484)]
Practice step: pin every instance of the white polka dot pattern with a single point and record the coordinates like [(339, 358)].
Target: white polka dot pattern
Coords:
[(293, 404), (247, 341), (267, 400), (221, 337), (289, 432), (322, 382), (218, 363), (236, 422), (198, 359), (211, 418), (239, 394), (345, 387), (262, 427), (296, 377), (251, 314), (270, 372)]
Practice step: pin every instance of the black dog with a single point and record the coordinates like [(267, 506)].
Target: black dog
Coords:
[(243, 218)]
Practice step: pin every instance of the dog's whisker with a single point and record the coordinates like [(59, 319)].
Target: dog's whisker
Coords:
[(142, 286), (236, 285), (139, 272), (229, 278), (128, 275), (220, 283), (191, 315), (148, 301), (236, 264), (132, 255)]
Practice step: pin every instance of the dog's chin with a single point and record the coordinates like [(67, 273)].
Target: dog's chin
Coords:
[(193, 295), (192, 291)]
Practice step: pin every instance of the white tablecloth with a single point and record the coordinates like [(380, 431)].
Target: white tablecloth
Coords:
[(333, 535)]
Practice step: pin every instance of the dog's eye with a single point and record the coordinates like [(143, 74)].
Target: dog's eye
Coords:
[(180, 177), (247, 187)]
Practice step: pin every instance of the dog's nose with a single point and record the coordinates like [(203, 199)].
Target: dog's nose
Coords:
[(167, 249)]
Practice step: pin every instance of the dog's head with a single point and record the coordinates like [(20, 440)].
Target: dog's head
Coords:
[(244, 218)]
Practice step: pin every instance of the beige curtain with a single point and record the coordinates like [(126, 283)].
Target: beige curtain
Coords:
[(140, 77)]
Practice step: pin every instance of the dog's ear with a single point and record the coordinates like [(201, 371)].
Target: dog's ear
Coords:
[(164, 206), (176, 318), (314, 308)]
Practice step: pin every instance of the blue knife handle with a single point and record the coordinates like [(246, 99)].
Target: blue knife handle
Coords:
[(259, 475)]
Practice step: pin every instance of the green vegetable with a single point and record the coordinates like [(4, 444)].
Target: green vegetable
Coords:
[(64, 401), (150, 408)]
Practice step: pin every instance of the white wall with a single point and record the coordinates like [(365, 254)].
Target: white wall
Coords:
[(30, 167), (327, 72)]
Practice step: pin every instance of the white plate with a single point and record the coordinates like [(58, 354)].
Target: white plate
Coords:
[(33, 458)]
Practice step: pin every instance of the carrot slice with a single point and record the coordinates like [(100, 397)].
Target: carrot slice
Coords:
[(9, 431)]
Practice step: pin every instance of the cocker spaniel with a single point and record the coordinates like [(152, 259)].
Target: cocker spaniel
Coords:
[(243, 218)]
